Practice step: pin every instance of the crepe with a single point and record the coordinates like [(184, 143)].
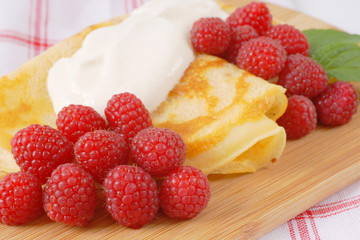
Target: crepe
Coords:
[(24, 100), (226, 117)]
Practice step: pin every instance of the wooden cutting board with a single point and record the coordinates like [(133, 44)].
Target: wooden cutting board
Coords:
[(242, 206)]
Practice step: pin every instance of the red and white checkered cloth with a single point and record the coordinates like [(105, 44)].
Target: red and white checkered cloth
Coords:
[(28, 27)]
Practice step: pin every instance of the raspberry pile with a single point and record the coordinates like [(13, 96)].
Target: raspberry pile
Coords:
[(127, 158), (280, 53), (255, 44)]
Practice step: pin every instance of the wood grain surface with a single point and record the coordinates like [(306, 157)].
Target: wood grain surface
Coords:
[(242, 206)]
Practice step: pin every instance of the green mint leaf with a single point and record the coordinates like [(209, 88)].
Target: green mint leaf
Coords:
[(326, 54), (338, 52), (321, 37)]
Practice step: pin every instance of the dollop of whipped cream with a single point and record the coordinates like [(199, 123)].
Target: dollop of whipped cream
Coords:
[(146, 55)]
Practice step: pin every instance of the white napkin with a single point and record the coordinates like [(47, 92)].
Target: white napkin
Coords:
[(27, 28)]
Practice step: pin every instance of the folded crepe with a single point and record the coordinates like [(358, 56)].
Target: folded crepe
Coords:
[(225, 115)]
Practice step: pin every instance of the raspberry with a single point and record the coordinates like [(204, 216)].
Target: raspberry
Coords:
[(127, 115), (239, 36), (299, 118), (131, 196), (292, 39), (184, 193), (302, 76), (70, 195), (337, 104), (38, 150), (262, 56), (100, 151), (255, 14), (210, 35), (76, 120), (158, 151), (20, 198)]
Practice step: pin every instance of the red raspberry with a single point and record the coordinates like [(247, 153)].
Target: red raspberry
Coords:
[(239, 36), (20, 198), (158, 151), (299, 118), (70, 195), (262, 56), (131, 196), (184, 193), (100, 151), (76, 120), (337, 104), (127, 115), (292, 39), (210, 35), (302, 76), (38, 150), (255, 14)]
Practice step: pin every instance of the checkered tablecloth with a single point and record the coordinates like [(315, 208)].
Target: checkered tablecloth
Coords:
[(28, 27)]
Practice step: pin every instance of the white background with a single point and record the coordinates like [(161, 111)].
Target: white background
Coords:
[(344, 14)]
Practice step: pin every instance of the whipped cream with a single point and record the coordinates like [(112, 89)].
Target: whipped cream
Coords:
[(146, 55)]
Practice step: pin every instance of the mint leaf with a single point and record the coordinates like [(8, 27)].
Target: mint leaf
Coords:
[(321, 37), (326, 54), (338, 52)]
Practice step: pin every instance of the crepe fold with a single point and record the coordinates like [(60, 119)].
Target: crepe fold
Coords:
[(226, 117)]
